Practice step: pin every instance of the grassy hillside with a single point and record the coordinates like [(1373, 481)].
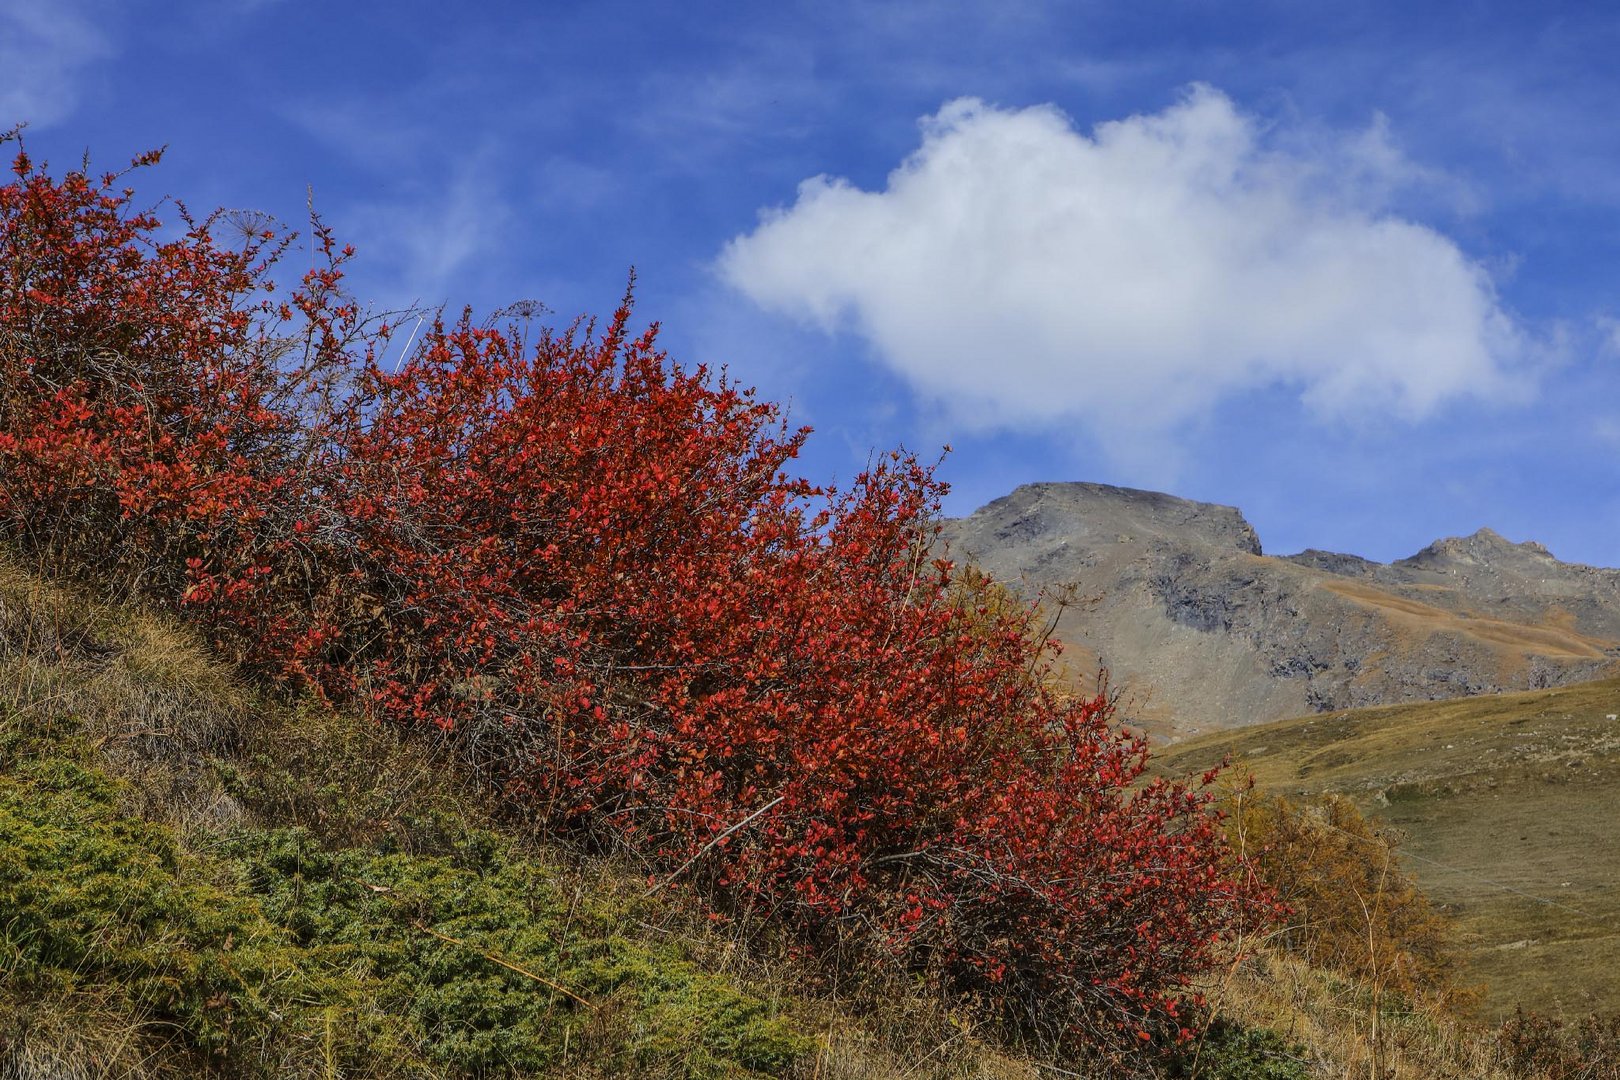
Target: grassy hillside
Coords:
[(198, 881), (1508, 804)]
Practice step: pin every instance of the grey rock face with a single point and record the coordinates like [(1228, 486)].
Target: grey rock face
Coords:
[(1203, 631)]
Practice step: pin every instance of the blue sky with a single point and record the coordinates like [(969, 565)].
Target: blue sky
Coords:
[(1349, 267)]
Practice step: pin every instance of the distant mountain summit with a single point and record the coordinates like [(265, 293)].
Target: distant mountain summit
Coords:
[(1201, 630)]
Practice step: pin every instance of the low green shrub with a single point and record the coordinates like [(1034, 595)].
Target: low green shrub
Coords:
[(275, 956), (486, 956), (93, 898), (1229, 1051)]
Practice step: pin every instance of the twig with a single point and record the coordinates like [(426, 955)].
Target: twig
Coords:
[(704, 850), (507, 964), (403, 353)]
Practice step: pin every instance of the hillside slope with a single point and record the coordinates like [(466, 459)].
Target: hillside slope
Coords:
[(1508, 804), (1202, 631), (198, 881)]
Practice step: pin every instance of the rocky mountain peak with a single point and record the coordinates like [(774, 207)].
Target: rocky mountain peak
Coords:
[(1047, 514), (1485, 546)]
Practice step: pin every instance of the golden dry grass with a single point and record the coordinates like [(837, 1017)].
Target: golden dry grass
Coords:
[(1513, 637)]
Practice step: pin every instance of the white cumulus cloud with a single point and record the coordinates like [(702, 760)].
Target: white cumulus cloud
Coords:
[(1020, 272)]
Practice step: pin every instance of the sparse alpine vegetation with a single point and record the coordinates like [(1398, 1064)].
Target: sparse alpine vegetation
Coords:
[(1498, 809)]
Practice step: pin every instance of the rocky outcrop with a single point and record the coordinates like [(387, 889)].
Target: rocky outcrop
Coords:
[(1201, 630)]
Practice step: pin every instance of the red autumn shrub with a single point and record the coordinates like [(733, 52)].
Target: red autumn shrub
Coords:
[(158, 411), (592, 566)]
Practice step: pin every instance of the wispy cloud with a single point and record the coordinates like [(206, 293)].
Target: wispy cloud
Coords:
[(425, 247), (1019, 272), (380, 138), (690, 115), (45, 45)]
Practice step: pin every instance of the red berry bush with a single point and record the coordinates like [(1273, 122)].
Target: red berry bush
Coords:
[(591, 567)]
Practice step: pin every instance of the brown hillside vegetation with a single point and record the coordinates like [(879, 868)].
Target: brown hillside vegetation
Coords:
[(1508, 806), (1517, 641)]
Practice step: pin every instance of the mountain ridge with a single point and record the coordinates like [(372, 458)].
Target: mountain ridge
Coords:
[(1202, 630)]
